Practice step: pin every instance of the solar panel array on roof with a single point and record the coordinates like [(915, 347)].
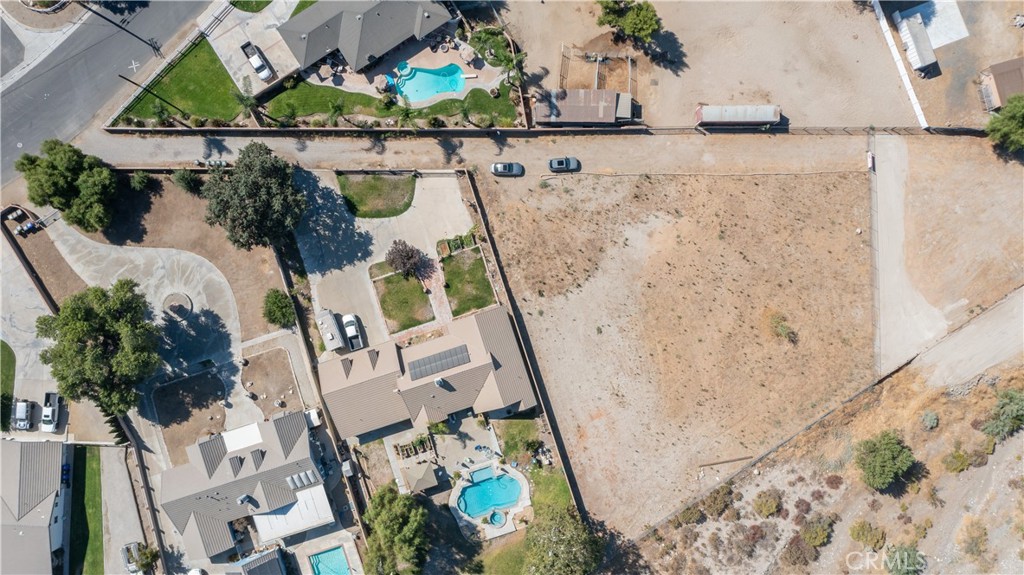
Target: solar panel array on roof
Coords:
[(438, 362)]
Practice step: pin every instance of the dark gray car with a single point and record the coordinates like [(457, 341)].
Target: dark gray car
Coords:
[(566, 164)]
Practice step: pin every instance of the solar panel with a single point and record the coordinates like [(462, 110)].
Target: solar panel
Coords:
[(438, 362)]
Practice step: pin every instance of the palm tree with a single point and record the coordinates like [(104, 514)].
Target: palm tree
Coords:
[(337, 110), (513, 65), (464, 112), (407, 118)]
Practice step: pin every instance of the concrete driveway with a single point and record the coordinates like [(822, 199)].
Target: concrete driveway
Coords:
[(338, 248), (19, 308), (260, 29)]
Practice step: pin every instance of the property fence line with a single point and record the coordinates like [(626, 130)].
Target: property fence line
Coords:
[(876, 311), (37, 281), (200, 33)]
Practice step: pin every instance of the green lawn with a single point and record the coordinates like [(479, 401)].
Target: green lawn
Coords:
[(198, 85), (303, 4), (377, 196), (514, 433), (380, 269), (466, 282), (505, 560), (87, 513), (308, 99), (250, 5), (403, 302), (6, 384)]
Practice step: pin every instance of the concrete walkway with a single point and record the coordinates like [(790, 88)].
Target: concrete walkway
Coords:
[(120, 515)]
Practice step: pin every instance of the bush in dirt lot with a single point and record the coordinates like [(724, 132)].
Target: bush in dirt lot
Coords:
[(691, 515), (717, 501), (138, 181), (957, 461), (883, 459), (798, 553), (1006, 128), (1008, 415), (768, 502), (868, 534), (834, 481), (278, 309), (929, 420), (903, 560), (187, 180), (818, 529)]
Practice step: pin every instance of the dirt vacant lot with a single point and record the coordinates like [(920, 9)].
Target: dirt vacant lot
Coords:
[(825, 63), (165, 216), (658, 306), (815, 474), (271, 375), (189, 410)]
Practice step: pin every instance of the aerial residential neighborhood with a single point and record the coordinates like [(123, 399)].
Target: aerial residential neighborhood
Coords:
[(522, 287)]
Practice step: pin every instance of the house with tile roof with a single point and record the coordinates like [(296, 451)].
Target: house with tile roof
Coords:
[(476, 365), (32, 509), (264, 471)]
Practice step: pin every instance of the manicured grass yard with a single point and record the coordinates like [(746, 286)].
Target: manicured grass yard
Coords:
[(197, 84), (303, 4), (250, 5), (6, 384), (308, 99), (403, 302), (466, 280), (514, 434), (507, 559), (87, 513), (380, 269), (377, 196)]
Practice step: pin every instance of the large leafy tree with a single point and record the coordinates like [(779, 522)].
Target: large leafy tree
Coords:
[(883, 459), (255, 202), (558, 543), (104, 346), (67, 179), (398, 542), (636, 20), (1006, 128)]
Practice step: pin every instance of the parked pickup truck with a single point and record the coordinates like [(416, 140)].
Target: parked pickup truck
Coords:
[(51, 413), (256, 59), (351, 327)]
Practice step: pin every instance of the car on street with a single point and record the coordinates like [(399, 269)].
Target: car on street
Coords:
[(51, 413), (567, 164), (256, 59), (508, 170), (23, 414)]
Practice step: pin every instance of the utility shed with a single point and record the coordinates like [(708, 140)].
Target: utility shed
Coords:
[(329, 330), (1000, 81), (916, 42), (583, 108)]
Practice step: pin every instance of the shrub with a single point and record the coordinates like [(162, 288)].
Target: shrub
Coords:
[(439, 428), (957, 461), (187, 180), (768, 502), (817, 530), (731, 514), (290, 82), (973, 538), (802, 506), (278, 308), (532, 445), (1006, 128), (929, 420), (1008, 414), (436, 122), (834, 481), (978, 458), (196, 122), (138, 181), (404, 258), (316, 123), (691, 515), (868, 534), (903, 560), (817, 495), (883, 459), (782, 329), (798, 553), (717, 501)]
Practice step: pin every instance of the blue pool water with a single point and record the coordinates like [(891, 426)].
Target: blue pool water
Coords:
[(418, 84), (497, 518), (488, 493), (330, 562)]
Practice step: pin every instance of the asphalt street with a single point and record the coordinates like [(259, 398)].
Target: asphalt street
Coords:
[(60, 95)]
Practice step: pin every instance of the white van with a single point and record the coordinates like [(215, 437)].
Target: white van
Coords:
[(23, 415)]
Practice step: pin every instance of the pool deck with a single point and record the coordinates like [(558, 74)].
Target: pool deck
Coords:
[(325, 539), (418, 55), (470, 526)]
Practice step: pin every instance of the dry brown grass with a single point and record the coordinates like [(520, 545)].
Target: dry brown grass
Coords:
[(271, 375), (189, 410)]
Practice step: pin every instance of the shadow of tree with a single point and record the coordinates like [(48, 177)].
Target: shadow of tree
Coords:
[(501, 142), (123, 7), (622, 555), (451, 552), (127, 224), (214, 146), (1007, 156), (426, 268), (301, 144), (377, 145), (917, 473), (451, 149), (666, 51), (328, 237), (176, 403), (175, 559), (200, 336), (534, 79)]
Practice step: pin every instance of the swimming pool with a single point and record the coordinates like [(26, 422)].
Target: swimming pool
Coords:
[(418, 84), (330, 562), (488, 493)]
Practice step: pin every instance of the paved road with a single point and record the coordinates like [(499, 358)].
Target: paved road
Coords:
[(59, 96), (12, 51)]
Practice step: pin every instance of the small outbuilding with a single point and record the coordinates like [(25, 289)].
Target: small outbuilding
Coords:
[(583, 108), (329, 330), (1000, 81), (916, 42)]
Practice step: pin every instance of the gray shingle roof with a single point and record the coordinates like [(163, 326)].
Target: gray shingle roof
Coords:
[(212, 450), (31, 473), (362, 30), (361, 406), (200, 503)]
